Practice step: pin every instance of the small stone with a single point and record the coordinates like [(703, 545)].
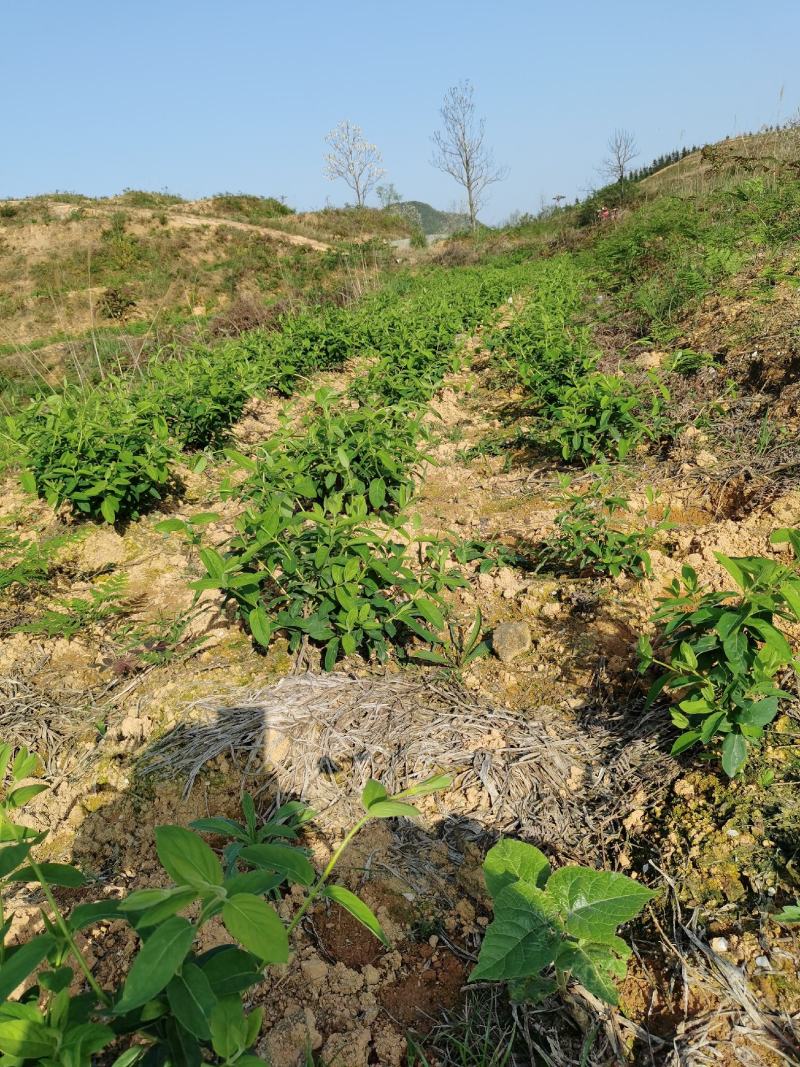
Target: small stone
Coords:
[(763, 962), (719, 944), (705, 459), (511, 639), (314, 970)]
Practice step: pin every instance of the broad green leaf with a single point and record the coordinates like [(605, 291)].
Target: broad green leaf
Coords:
[(358, 909), (171, 905), (142, 899), (159, 958), (392, 809), (594, 966), (435, 784), (257, 927), (11, 856), (26, 1039), (88, 914), (790, 915), (80, 1042), (509, 861), (187, 859), (283, 858), (371, 792), (260, 881), (734, 754), (62, 874), (229, 970), (523, 937), (223, 827), (192, 1000), (228, 1028), (595, 903), (22, 961)]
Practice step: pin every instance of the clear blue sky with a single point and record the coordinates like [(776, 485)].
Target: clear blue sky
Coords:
[(202, 97)]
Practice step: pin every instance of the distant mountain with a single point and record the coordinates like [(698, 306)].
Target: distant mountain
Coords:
[(427, 218)]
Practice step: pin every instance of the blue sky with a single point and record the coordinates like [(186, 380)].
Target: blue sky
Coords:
[(202, 97)]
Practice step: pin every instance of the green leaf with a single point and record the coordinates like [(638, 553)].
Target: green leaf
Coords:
[(27, 1039), (17, 797), (260, 626), (372, 792), (230, 970), (358, 909), (22, 961), (253, 882), (62, 874), (734, 754), (595, 903), (435, 784), (192, 1000), (289, 861), (108, 509), (11, 856), (257, 927), (593, 965), (80, 1042), (392, 809), (523, 937), (790, 915), (377, 493), (142, 899), (159, 958), (228, 1028), (84, 915), (171, 905), (430, 612), (510, 861), (187, 859)]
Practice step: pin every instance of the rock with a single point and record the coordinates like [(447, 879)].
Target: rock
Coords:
[(314, 970), (719, 944), (511, 639), (351, 1048), (287, 1043), (705, 459), (762, 962)]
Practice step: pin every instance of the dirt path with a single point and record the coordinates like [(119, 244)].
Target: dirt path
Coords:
[(178, 220)]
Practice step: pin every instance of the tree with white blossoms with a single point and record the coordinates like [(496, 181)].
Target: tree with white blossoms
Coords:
[(356, 161)]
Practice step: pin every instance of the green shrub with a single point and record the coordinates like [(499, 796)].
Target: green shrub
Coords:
[(359, 452), (566, 920), (722, 652), (326, 575), (96, 450), (604, 416), (588, 537), (200, 394)]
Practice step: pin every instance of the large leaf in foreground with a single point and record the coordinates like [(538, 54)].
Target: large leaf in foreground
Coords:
[(159, 959), (510, 861), (523, 937), (595, 903)]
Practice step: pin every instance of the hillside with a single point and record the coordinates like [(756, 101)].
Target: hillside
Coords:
[(414, 675), (429, 219)]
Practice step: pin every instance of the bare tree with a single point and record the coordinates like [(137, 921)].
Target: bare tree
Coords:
[(356, 161), (460, 148), (622, 148)]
